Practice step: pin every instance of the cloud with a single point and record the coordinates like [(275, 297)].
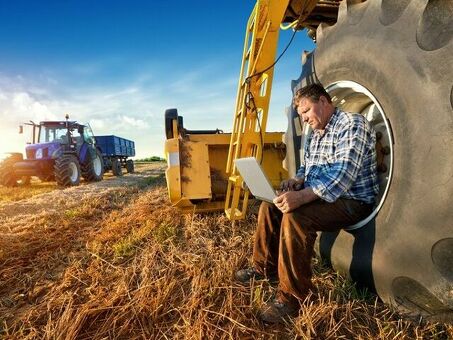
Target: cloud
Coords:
[(22, 106), (132, 108), (133, 122)]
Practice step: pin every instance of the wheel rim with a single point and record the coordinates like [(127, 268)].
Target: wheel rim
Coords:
[(97, 166), (74, 172), (353, 97)]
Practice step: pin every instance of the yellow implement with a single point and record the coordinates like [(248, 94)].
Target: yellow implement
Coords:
[(253, 97)]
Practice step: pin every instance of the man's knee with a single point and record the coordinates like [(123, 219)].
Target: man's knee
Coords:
[(295, 223)]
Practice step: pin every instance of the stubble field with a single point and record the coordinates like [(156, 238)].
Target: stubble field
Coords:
[(114, 260)]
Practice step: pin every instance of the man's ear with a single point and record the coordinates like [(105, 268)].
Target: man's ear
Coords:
[(323, 100)]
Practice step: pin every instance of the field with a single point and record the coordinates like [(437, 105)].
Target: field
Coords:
[(114, 260)]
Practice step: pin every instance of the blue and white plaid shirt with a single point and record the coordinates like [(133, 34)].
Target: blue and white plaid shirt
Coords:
[(341, 160)]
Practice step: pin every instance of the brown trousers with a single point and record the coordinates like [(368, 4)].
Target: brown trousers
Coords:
[(284, 243)]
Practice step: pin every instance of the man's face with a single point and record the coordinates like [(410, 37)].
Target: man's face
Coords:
[(316, 114)]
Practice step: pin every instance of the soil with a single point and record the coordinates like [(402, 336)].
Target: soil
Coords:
[(14, 215)]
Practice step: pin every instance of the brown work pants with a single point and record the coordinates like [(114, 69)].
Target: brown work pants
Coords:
[(284, 242)]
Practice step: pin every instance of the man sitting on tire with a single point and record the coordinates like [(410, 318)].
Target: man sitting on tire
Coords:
[(335, 187)]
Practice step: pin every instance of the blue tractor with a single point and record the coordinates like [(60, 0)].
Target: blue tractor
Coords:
[(61, 151)]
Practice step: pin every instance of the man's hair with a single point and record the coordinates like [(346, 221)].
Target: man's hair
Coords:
[(312, 92)]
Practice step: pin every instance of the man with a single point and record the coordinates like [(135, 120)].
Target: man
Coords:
[(335, 187)]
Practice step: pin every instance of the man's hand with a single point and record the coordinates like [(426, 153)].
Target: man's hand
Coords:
[(290, 200), (292, 184)]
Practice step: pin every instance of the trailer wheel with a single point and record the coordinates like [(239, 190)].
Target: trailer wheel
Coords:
[(67, 171), (400, 53), (93, 168), (116, 167), (130, 166), (7, 176)]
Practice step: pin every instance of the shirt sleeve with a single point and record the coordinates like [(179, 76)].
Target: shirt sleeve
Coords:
[(349, 154), (301, 172)]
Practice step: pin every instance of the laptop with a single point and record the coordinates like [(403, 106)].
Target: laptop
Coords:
[(255, 178)]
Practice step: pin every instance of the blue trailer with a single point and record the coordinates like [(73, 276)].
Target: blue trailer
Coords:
[(115, 153)]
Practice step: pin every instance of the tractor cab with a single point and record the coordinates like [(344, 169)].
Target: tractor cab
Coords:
[(52, 138)]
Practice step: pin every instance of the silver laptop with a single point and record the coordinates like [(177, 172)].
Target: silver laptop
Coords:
[(255, 178)]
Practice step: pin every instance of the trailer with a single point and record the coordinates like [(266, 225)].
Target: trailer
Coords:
[(115, 153)]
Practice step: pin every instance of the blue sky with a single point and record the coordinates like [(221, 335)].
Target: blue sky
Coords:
[(119, 65)]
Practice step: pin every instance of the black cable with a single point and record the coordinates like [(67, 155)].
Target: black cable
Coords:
[(249, 96), (247, 80), (251, 99)]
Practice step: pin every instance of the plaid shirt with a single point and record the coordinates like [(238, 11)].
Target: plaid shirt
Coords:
[(341, 160)]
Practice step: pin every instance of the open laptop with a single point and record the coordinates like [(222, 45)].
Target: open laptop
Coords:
[(255, 178)]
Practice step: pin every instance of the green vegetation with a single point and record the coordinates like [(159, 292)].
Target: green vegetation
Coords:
[(153, 179), (127, 246), (151, 159)]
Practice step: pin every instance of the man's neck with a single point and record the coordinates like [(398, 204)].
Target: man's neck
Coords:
[(328, 116)]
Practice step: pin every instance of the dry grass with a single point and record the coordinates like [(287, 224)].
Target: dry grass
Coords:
[(22, 192), (129, 266)]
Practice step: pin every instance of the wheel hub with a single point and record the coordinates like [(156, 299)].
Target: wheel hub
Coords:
[(73, 172), (97, 166)]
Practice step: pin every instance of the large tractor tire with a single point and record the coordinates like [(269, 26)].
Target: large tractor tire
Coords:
[(392, 61), (117, 170), (7, 176), (67, 171), (93, 168)]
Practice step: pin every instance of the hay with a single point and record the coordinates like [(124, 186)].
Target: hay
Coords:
[(125, 264)]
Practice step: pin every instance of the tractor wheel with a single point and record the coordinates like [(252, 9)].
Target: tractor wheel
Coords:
[(67, 171), (392, 61), (93, 169), (7, 176), (116, 167), (130, 166)]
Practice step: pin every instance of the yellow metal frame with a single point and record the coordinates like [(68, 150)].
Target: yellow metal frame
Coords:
[(253, 97), (196, 178)]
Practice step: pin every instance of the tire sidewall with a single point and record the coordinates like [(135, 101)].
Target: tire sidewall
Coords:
[(116, 167), (130, 166), (413, 87), (63, 170)]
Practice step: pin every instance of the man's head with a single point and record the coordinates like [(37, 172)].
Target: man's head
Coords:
[(314, 105)]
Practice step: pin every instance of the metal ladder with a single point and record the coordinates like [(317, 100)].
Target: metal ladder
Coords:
[(253, 97)]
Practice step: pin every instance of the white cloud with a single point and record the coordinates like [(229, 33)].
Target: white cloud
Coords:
[(22, 106), (97, 124), (134, 110), (133, 122)]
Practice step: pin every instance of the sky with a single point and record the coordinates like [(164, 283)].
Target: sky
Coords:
[(119, 65)]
